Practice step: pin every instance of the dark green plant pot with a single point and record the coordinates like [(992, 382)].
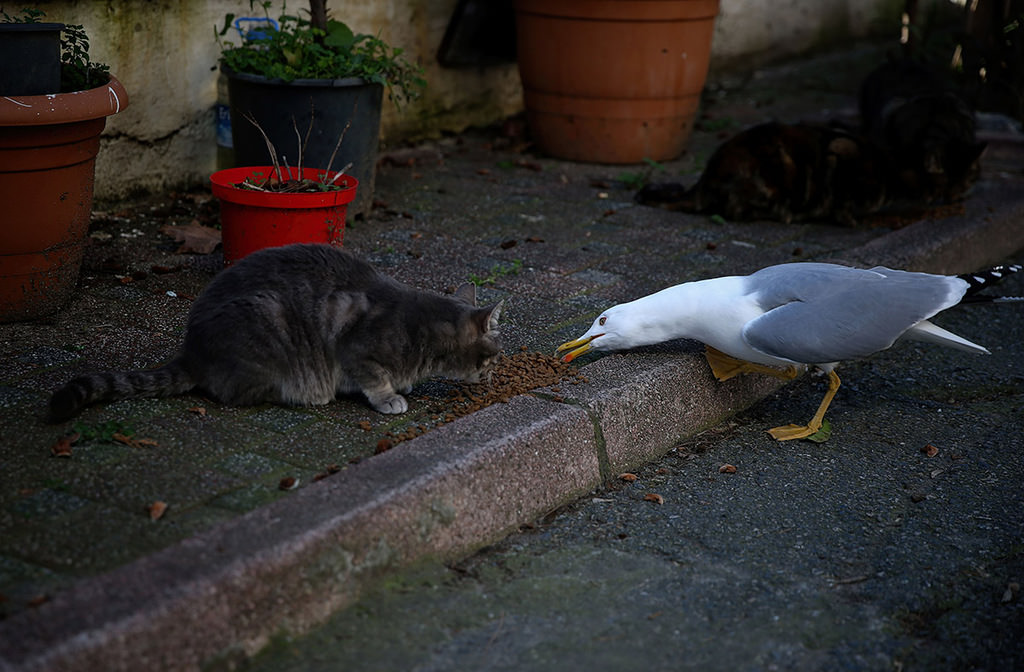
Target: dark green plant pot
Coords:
[(29, 58), (331, 104)]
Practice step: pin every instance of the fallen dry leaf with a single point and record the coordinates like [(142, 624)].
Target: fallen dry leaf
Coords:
[(198, 410), (194, 237), (930, 450), (288, 483), (63, 446), (133, 442), (628, 477), (331, 469), (727, 469), (365, 425), (654, 497), (157, 509)]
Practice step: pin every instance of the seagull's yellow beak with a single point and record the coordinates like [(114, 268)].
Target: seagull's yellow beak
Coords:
[(577, 347)]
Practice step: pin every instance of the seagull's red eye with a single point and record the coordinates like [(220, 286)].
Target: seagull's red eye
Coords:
[(602, 320)]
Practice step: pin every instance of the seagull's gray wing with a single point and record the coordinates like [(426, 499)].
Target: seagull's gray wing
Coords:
[(822, 313)]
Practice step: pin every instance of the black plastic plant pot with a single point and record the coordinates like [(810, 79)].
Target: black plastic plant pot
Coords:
[(29, 58), (280, 107)]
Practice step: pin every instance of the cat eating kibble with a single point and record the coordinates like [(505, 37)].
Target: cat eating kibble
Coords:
[(300, 324)]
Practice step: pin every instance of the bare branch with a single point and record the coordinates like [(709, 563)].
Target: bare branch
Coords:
[(339, 174), (270, 146), (355, 106)]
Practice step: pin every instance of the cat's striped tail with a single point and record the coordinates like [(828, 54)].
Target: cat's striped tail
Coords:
[(68, 401)]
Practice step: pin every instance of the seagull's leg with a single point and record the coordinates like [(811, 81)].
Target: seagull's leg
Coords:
[(725, 367), (788, 432)]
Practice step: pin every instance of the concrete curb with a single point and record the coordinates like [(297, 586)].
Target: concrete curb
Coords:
[(991, 227), (221, 595)]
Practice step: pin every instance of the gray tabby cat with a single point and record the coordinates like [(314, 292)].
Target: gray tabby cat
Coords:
[(297, 325)]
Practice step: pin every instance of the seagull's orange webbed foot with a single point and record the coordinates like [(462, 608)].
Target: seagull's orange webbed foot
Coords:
[(790, 432), (725, 367)]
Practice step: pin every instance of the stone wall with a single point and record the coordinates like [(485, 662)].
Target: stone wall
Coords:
[(165, 52)]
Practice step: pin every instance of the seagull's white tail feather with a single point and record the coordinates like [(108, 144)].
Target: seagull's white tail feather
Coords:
[(926, 331)]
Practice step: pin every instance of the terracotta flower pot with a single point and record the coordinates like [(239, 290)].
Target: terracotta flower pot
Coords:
[(48, 147), (251, 220), (613, 81)]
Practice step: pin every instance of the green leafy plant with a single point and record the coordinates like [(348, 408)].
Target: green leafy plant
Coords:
[(77, 71), (319, 47), (497, 271), (104, 431), (638, 180)]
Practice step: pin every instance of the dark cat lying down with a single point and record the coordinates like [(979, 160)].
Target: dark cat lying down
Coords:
[(927, 128), (917, 148), (298, 325), (785, 173)]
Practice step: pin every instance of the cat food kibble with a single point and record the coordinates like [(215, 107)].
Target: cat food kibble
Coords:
[(511, 376)]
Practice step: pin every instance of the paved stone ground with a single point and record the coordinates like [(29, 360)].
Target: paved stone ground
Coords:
[(861, 553), (557, 241), (580, 244)]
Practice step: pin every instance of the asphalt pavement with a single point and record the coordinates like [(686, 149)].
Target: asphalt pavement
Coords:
[(895, 545), (868, 551)]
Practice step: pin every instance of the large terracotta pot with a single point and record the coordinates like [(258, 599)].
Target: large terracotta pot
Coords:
[(613, 81), (48, 147)]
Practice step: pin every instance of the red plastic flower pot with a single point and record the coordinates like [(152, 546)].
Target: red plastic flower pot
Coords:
[(252, 220)]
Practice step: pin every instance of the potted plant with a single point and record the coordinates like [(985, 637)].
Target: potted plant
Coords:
[(268, 206), (48, 147), (613, 81), (312, 73)]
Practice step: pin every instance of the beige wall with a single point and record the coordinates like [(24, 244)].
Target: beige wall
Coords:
[(164, 51)]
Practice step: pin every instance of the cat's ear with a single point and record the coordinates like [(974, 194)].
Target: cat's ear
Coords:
[(467, 293), (487, 318)]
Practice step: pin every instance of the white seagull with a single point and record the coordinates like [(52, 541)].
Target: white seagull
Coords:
[(783, 318)]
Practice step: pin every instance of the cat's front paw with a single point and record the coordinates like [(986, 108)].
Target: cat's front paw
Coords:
[(391, 405)]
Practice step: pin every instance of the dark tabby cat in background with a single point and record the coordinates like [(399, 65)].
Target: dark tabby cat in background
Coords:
[(917, 148), (785, 173), (927, 128), (300, 324)]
